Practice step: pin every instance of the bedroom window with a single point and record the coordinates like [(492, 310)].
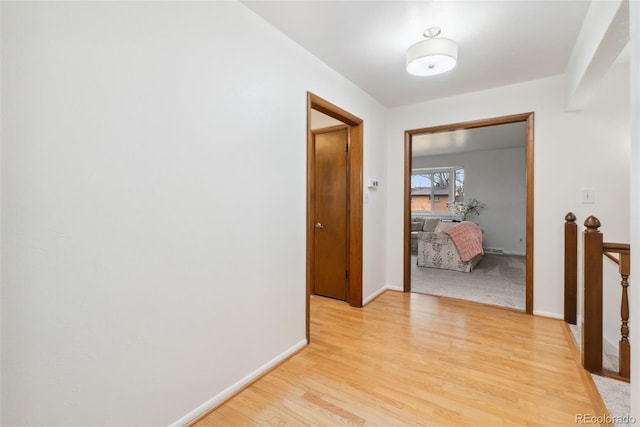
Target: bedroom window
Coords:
[(433, 188), (458, 190)]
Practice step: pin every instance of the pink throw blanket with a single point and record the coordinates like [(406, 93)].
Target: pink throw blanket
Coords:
[(467, 237)]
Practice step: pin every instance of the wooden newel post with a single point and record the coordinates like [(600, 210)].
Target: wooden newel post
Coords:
[(624, 348), (592, 309), (570, 268)]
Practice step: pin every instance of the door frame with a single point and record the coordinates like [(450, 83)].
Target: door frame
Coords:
[(354, 204), (524, 117)]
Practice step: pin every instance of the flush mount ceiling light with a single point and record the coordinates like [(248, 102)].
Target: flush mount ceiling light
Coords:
[(432, 56)]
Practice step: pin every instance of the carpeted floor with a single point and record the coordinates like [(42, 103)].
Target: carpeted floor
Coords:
[(615, 394), (497, 280)]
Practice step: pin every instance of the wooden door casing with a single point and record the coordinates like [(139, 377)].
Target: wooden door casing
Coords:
[(355, 196), (528, 118)]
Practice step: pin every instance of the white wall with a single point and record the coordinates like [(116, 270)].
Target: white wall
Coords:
[(634, 294), (135, 285), (572, 150), (498, 179), (0, 217), (609, 109)]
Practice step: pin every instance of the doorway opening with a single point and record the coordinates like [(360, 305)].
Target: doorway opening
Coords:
[(411, 136), (354, 194)]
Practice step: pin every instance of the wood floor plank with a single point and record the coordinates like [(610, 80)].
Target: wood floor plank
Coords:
[(411, 359)]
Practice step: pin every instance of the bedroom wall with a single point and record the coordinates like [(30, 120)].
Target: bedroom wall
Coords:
[(496, 178), (573, 150), (138, 282)]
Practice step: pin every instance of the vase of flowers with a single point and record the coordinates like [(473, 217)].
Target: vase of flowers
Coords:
[(464, 211)]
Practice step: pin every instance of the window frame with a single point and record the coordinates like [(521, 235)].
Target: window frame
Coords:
[(451, 170)]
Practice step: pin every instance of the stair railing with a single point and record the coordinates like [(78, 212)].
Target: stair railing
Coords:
[(594, 250), (570, 269)]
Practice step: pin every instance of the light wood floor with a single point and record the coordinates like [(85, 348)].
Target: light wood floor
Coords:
[(411, 359)]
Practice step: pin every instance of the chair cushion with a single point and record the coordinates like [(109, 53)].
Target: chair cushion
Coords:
[(430, 224), (416, 226), (444, 225)]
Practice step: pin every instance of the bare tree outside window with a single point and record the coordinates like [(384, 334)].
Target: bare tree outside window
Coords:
[(458, 192), (432, 189), (441, 179)]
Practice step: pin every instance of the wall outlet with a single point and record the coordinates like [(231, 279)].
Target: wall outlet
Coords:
[(373, 183)]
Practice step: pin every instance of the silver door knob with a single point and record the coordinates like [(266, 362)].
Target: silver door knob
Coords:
[(319, 226)]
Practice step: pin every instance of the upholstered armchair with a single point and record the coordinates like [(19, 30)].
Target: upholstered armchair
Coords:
[(438, 250)]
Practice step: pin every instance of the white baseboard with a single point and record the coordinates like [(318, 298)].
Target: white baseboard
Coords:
[(379, 292), (515, 253), (557, 316), (547, 314), (235, 388), (373, 296)]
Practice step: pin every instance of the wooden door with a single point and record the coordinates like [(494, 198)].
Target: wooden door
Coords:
[(331, 277)]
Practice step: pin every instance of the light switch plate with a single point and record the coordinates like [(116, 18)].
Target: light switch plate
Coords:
[(587, 195)]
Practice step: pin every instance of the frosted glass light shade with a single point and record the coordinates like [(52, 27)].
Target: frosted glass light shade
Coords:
[(432, 56)]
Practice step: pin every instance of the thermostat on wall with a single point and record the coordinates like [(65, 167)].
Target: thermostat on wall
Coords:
[(374, 183)]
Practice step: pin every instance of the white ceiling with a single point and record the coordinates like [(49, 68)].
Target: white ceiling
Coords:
[(494, 137), (320, 120), (500, 42)]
